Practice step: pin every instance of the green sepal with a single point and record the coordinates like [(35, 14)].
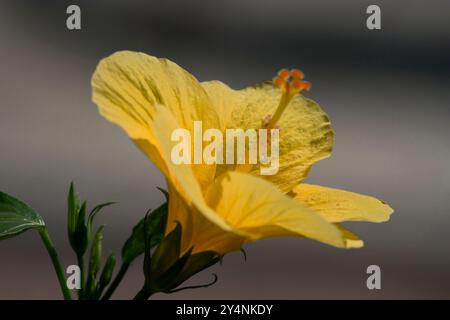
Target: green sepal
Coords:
[(155, 225), (197, 262), (81, 236), (94, 213), (169, 269), (167, 253), (163, 266), (16, 217), (164, 192), (165, 280)]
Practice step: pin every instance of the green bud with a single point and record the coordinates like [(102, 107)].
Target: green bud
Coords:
[(73, 204), (107, 272), (96, 253), (81, 235)]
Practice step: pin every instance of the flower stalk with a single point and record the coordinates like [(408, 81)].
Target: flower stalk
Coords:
[(43, 232), (143, 294)]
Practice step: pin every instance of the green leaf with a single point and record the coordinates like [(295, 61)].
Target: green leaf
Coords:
[(156, 225), (16, 217)]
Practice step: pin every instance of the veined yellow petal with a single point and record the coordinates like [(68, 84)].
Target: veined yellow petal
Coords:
[(338, 205), (224, 100), (257, 211), (255, 206), (128, 85), (306, 135)]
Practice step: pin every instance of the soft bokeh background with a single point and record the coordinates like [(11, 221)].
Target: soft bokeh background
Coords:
[(387, 93)]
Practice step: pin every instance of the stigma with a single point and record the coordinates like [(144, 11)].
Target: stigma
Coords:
[(291, 83)]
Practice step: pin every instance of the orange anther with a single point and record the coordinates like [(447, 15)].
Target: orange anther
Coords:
[(279, 82), (306, 85), (297, 74), (300, 85), (284, 74)]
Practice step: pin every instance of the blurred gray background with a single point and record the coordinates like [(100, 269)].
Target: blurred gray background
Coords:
[(387, 93)]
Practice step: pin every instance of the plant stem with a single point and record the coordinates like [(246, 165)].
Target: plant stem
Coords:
[(144, 294), (81, 264), (123, 269), (43, 232)]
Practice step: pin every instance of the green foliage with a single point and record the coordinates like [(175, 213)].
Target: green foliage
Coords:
[(79, 225), (107, 272), (16, 217), (167, 253), (154, 226), (73, 203), (96, 253), (95, 262), (166, 267), (196, 263)]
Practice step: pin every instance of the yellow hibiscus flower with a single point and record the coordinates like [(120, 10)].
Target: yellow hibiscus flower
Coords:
[(221, 207)]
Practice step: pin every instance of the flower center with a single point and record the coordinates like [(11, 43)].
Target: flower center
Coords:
[(291, 83)]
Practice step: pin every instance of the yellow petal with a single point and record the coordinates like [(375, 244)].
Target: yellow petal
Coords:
[(257, 207), (338, 205), (127, 86), (306, 135), (223, 99)]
